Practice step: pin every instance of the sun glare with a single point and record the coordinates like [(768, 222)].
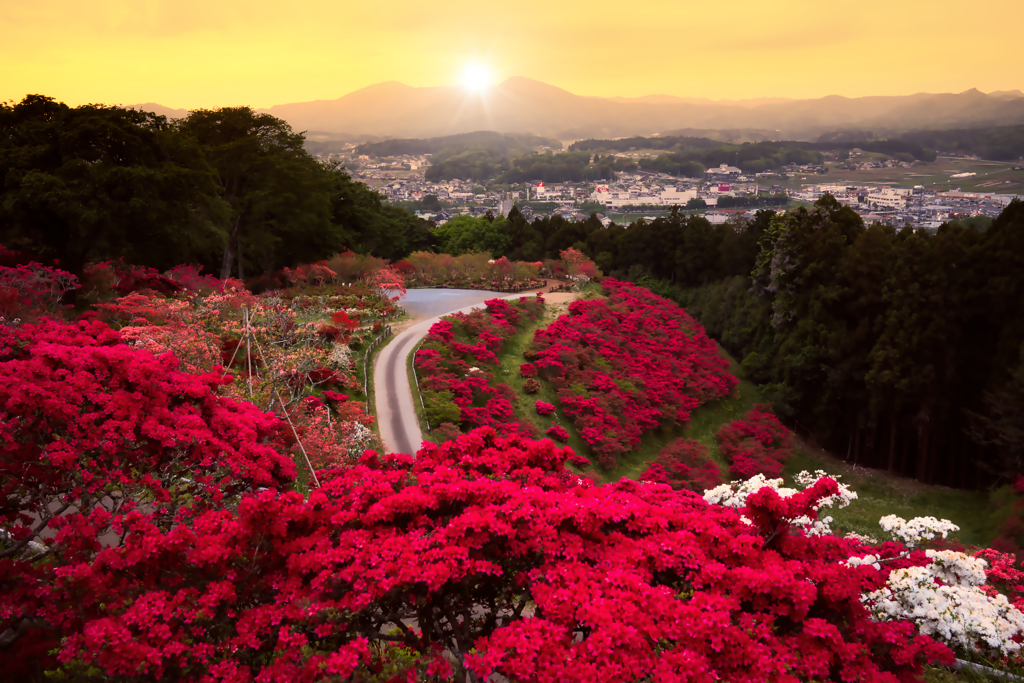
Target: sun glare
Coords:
[(476, 77)]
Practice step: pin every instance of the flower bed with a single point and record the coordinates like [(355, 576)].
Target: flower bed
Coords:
[(456, 377), (684, 464), (757, 444), (627, 365)]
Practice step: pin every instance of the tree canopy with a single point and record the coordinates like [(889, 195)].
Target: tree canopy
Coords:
[(229, 189)]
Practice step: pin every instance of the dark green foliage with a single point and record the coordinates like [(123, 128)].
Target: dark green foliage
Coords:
[(464, 234), (276, 192), (470, 164), (229, 189), (570, 166), (96, 182)]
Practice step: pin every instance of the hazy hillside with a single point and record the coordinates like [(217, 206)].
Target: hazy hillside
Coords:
[(522, 105)]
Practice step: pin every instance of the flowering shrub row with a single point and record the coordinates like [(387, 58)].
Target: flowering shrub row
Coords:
[(684, 464), (485, 547), (756, 444), (454, 365), (626, 365)]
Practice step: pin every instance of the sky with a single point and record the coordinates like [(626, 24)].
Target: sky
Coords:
[(209, 53)]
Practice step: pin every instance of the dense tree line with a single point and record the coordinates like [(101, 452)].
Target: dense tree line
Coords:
[(899, 349), (570, 166), (471, 164), (229, 189)]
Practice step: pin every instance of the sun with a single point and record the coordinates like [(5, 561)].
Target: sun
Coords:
[(476, 77)]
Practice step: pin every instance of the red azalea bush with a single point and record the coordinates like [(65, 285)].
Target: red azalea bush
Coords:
[(527, 370), (558, 433), (625, 365), (757, 444), (1002, 575), (28, 290), (684, 464), (95, 433), (544, 408), (453, 372), (485, 547)]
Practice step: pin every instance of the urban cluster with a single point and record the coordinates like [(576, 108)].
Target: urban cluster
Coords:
[(724, 192)]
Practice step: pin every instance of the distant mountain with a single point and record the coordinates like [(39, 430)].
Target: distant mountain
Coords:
[(522, 105), (672, 99), (1006, 94), (160, 109)]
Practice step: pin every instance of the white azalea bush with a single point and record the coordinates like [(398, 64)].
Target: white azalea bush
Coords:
[(947, 599), (916, 530), (958, 613), (735, 494)]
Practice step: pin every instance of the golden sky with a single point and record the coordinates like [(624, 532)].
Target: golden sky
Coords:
[(209, 53)]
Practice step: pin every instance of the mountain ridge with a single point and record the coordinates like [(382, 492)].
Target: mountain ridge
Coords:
[(525, 105)]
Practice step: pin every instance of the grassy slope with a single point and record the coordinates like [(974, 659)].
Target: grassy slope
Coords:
[(509, 360)]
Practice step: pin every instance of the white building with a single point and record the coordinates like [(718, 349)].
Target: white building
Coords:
[(890, 197)]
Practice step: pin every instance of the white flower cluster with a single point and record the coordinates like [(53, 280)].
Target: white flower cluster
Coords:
[(953, 568), (813, 527), (917, 529), (340, 354), (735, 495), (362, 438), (868, 540), (871, 560), (959, 613)]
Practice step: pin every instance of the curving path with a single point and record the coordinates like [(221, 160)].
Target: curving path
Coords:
[(396, 414)]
